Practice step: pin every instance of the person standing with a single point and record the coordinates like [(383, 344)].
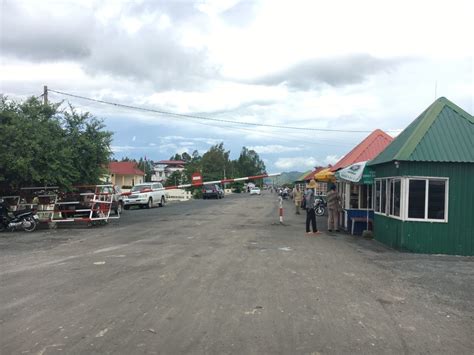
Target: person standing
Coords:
[(334, 205), (297, 197), (310, 213)]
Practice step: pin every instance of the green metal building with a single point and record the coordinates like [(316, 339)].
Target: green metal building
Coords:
[(424, 184)]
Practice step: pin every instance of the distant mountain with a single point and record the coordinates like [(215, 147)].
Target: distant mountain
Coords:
[(284, 178)]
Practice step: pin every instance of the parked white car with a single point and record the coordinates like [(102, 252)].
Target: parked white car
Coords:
[(255, 191), (145, 195)]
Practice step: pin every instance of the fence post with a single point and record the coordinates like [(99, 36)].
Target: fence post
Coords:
[(281, 208)]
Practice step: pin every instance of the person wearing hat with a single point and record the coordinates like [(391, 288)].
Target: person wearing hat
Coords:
[(334, 204), (309, 197), (297, 197)]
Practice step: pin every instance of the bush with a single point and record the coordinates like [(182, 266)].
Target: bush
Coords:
[(237, 187), (197, 193)]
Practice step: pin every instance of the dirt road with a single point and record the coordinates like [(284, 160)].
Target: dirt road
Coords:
[(222, 277)]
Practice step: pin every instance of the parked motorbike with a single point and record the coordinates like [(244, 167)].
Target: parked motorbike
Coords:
[(24, 219), (284, 194), (320, 206)]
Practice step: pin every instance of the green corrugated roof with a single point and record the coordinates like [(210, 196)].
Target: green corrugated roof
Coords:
[(444, 132)]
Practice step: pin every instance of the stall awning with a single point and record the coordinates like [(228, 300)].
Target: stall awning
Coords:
[(358, 172), (325, 175)]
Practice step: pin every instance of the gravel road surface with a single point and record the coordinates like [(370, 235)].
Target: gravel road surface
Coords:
[(223, 277)]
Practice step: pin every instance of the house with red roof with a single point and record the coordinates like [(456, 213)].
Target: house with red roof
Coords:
[(125, 173), (164, 168), (357, 197), (368, 149)]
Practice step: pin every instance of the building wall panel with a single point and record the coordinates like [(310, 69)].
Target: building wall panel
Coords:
[(456, 236)]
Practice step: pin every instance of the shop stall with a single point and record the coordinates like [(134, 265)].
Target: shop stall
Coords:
[(424, 195), (356, 196), (355, 184)]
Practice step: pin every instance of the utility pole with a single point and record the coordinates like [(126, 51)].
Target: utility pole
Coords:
[(45, 95)]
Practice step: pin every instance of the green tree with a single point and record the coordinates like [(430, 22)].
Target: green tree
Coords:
[(215, 163), (147, 167), (192, 166), (89, 145), (176, 178), (176, 157), (249, 163), (186, 157), (43, 145)]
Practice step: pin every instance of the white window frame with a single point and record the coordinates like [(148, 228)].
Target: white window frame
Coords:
[(375, 204), (390, 182), (360, 199), (404, 197), (384, 181), (427, 180)]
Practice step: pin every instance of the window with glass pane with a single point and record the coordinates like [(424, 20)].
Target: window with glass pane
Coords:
[(383, 196), (370, 191), (377, 196), (436, 199), (354, 197), (366, 196), (416, 198), (390, 197), (396, 197)]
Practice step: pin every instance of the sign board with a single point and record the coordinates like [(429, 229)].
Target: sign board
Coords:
[(358, 173), (196, 179)]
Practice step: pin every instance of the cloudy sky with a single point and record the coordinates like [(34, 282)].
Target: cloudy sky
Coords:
[(337, 65)]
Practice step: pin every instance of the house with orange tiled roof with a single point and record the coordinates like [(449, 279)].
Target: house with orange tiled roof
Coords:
[(125, 173), (357, 197), (368, 149)]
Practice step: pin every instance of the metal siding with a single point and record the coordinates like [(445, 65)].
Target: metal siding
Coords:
[(449, 139), (392, 149), (455, 237), (442, 133)]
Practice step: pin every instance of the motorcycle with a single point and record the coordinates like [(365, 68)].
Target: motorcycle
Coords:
[(284, 194), (320, 206), (24, 219)]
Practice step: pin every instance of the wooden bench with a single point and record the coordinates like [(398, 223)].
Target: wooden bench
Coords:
[(354, 220)]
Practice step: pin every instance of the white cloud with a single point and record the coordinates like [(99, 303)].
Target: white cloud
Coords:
[(204, 58), (122, 148), (297, 163), (305, 163), (331, 159), (274, 148)]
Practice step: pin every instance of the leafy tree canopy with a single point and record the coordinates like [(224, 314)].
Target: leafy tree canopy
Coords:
[(215, 164), (44, 145)]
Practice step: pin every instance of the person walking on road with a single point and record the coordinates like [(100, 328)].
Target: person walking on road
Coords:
[(297, 197), (310, 213), (334, 206)]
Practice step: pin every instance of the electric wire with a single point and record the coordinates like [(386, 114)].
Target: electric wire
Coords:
[(288, 138), (188, 116)]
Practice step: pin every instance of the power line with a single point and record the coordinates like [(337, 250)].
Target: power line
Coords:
[(182, 115), (287, 137)]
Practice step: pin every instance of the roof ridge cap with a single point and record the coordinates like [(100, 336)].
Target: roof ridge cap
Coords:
[(354, 150), (458, 109), (429, 117), (383, 136)]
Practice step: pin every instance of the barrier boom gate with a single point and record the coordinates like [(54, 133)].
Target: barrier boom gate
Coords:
[(197, 180)]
